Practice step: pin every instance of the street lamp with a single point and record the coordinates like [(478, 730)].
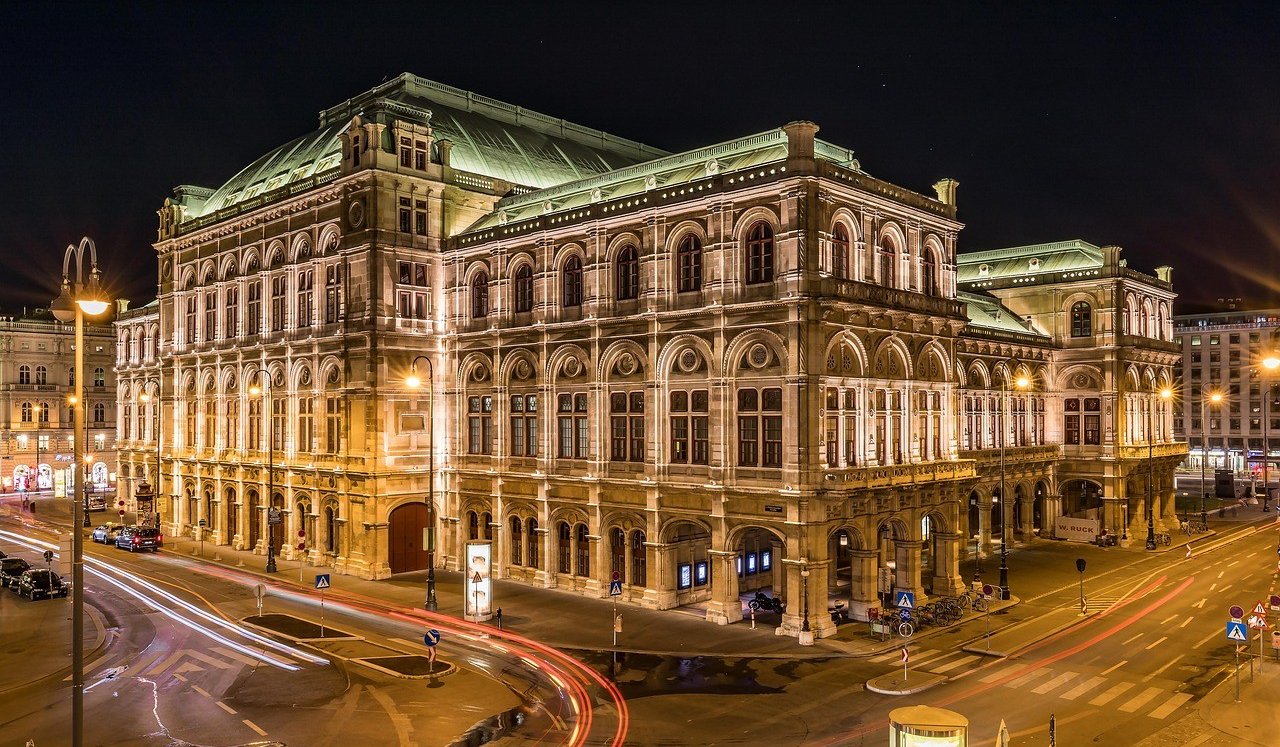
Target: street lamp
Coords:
[(413, 381), (1022, 382), (265, 391), (147, 493), (37, 409), (1215, 398), (805, 630), (77, 299), (1271, 362), (1151, 471)]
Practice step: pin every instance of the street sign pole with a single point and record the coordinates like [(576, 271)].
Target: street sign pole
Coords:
[(322, 613), (1237, 674)]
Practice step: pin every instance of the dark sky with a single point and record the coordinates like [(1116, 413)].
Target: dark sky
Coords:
[(1151, 126)]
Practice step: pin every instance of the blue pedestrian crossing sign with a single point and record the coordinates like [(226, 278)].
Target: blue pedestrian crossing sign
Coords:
[(322, 580), (905, 600), (615, 588), (431, 637), (1236, 631)]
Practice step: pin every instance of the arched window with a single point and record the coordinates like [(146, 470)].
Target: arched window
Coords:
[(486, 524), (534, 559), (331, 529), (524, 289), (43, 409), (1081, 319), (929, 274), (639, 576), (473, 525), (71, 376), (888, 256), (99, 377), (572, 281), (24, 374), (566, 547), (517, 545), (618, 554), (99, 414), (584, 551), (42, 375), (689, 261), (760, 253), (840, 252), (628, 273), (480, 296)]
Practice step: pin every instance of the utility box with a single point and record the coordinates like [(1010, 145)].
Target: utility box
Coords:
[(1224, 483)]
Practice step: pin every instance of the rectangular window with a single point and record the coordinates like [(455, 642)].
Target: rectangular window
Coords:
[(231, 314), (405, 214), (480, 425), (406, 152), (306, 280), (279, 292), (566, 438), (210, 315), (1092, 430), (1071, 429), (191, 425), (231, 433), (255, 425), (420, 155), (420, 217), (333, 424), (332, 288), (254, 313), (190, 333), (306, 425), (278, 407)]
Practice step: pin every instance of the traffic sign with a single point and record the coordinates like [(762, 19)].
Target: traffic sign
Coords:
[(259, 591), (1259, 609), (274, 517), (905, 656), (904, 615), (990, 591), (1275, 601), (615, 588), (322, 580), (203, 523), (905, 600), (1236, 611), (431, 637), (1258, 622), (1237, 632), (476, 578)]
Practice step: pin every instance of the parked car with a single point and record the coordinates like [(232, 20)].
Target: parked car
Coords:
[(41, 582), (106, 534), (97, 503), (139, 538), (11, 569)]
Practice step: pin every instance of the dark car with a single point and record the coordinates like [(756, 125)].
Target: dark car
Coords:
[(106, 534), (11, 569), (41, 582), (139, 538)]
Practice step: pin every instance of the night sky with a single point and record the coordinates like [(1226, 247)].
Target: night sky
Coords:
[(1151, 126)]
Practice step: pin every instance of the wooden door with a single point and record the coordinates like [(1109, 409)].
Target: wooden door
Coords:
[(407, 538)]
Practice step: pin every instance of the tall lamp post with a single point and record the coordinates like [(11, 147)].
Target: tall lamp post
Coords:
[(77, 299), (1151, 473), (413, 382), (1006, 513), (1270, 363), (265, 390), (38, 409), (1215, 398), (145, 492)]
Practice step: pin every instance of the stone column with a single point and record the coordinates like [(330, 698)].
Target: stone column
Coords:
[(662, 578), (863, 583), (1027, 511), (907, 577), (724, 607), (984, 523), (946, 564)]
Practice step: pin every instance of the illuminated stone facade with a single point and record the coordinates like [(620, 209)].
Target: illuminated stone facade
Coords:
[(750, 366)]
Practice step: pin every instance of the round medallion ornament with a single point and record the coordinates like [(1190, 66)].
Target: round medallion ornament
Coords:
[(1080, 381), (627, 364), (166, 270), (523, 369), (355, 214), (572, 367), (689, 361), (480, 374), (758, 355)]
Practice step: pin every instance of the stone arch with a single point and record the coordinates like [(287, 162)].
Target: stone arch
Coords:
[(207, 273), (562, 255), (510, 362), (614, 352), (253, 260), (329, 239), (561, 355), (932, 363), (978, 376), (1079, 376), (300, 378), (892, 360), (750, 217), (737, 349), (301, 248), (839, 343), (473, 268), (616, 244), (670, 354), (475, 368), (228, 269), (331, 368), (188, 279), (679, 231), (275, 254)]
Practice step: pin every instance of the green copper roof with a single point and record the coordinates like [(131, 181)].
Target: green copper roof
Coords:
[(662, 173), (1060, 256), (988, 312), (489, 137)]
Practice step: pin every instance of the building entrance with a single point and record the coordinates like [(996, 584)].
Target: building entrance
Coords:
[(407, 534)]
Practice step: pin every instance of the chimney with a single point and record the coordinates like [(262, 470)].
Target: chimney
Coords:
[(946, 189), (800, 144)]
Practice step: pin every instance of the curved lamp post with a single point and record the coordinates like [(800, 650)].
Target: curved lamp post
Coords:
[(1022, 382), (265, 391), (146, 492), (413, 381), (1270, 363), (1165, 393), (1215, 398), (78, 298)]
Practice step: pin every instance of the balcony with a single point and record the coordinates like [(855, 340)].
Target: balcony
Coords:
[(901, 474), (1157, 451), (1013, 455)]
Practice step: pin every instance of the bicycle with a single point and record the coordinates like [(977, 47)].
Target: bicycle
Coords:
[(975, 600), (1163, 538)]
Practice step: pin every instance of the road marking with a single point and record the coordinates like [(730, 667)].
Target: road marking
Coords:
[(1114, 667), (955, 664), (893, 655), (1111, 694), (224, 651), (141, 664), (1160, 671), (1211, 588), (226, 707), (201, 690), (1234, 562), (1134, 638), (93, 665), (1170, 705), (158, 668), (1250, 555), (1026, 679), (1228, 586), (1157, 643), (255, 727), (210, 660), (1221, 574), (999, 674), (928, 655), (1138, 702), (1083, 688), (1056, 682), (184, 679), (1200, 604), (1185, 622), (1167, 619)]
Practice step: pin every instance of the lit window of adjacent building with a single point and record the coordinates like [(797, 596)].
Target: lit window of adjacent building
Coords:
[(626, 421), (524, 425), (99, 377), (690, 427), (759, 427), (1195, 341)]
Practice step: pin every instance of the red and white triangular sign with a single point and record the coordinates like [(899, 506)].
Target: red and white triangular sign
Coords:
[(1260, 609)]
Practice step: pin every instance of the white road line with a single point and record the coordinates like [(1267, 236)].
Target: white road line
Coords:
[(955, 664), (1250, 555), (1221, 574), (255, 727), (1185, 622), (184, 679), (1212, 588), (226, 707), (1083, 688), (1000, 673), (1111, 694), (1167, 619), (1170, 705), (1228, 586), (1160, 671), (201, 690), (1056, 682), (896, 654), (1026, 679), (1114, 667), (219, 663), (1141, 700), (224, 651), (931, 656), (1208, 638), (1234, 562), (1134, 638), (1157, 643), (140, 664), (1200, 604)]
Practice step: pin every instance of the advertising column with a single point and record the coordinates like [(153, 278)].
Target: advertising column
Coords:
[(479, 586)]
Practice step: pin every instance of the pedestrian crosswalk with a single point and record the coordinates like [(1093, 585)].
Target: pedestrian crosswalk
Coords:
[(1097, 690)]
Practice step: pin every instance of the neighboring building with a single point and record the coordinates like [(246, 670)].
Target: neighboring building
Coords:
[(1225, 352), (138, 373), (748, 366), (37, 379)]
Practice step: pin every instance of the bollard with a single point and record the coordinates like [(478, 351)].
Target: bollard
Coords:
[(499, 618)]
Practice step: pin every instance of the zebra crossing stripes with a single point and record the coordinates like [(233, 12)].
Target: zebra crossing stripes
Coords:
[(1170, 705), (1055, 683), (963, 661), (1111, 694), (1141, 700), (1083, 688), (1028, 678)]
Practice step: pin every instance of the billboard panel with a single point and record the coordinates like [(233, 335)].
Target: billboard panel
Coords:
[(479, 584)]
